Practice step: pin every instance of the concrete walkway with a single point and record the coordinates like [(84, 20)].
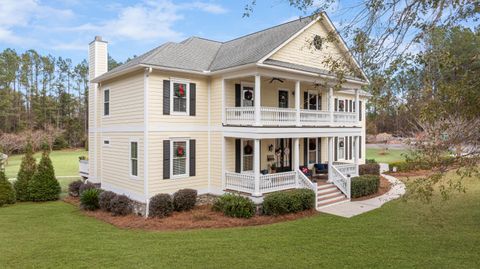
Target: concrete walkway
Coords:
[(350, 209)]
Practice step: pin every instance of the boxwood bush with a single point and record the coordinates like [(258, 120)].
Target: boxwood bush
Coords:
[(369, 169), (104, 200), (184, 199), (89, 199), (161, 205), (286, 202), (365, 185), (235, 206), (120, 205), (74, 188)]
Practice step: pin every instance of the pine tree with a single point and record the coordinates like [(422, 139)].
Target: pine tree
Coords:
[(44, 186), (7, 194), (25, 174)]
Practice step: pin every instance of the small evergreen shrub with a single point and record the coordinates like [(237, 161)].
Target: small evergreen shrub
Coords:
[(184, 200), (44, 186), (104, 200), (161, 205), (89, 199), (286, 202), (235, 206), (120, 205), (365, 185), (74, 188), (25, 174), (86, 186), (368, 161), (7, 193), (369, 169), (401, 166)]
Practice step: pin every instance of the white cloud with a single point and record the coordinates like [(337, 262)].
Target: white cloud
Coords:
[(207, 7)]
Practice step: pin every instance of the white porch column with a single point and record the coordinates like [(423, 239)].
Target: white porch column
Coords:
[(355, 152), (297, 100), (256, 167), (257, 100), (330, 157), (357, 104), (223, 163), (330, 103), (223, 101), (296, 157)]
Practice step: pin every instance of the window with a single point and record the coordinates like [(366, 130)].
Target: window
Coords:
[(179, 158), (106, 102), (341, 105), (312, 150), (134, 158), (317, 42), (247, 155), (180, 97), (341, 148), (248, 90)]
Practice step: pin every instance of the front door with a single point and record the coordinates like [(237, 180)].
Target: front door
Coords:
[(283, 154), (283, 98)]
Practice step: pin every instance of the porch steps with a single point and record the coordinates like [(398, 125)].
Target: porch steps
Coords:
[(328, 194)]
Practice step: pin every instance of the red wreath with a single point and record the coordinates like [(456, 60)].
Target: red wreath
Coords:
[(180, 151), (180, 92)]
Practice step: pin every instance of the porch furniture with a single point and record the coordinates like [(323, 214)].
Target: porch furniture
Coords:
[(307, 172), (321, 168)]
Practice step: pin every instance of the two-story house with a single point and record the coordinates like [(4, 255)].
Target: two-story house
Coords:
[(256, 114)]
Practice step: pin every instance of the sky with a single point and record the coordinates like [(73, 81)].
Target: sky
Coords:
[(65, 27)]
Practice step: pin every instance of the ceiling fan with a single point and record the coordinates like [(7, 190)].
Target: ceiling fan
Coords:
[(276, 79)]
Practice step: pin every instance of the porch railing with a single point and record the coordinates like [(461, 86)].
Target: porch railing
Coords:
[(314, 117), (346, 168), (268, 183), (344, 117), (278, 116), (342, 182), (240, 115), (240, 182), (278, 181)]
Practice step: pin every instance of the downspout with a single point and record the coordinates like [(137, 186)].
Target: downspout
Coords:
[(146, 75)]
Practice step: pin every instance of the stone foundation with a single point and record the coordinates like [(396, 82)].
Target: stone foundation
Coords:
[(206, 199), (138, 208)]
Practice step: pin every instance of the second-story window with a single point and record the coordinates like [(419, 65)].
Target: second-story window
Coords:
[(180, 97), (106, 102)]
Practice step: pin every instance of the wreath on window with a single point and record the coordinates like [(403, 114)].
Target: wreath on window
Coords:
[(341, 105), (180, 90), (247, 150), (180, 152), (341, 144), (248, 95), (312, 146)]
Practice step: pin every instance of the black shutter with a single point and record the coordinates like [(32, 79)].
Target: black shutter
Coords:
[(238, 95), (192, 157), (305, 100), (335, 149), (166, 97), (359, 147), (166, 159), (359, 110), (193, 99), (336, 104), (319, 150), (351, 106), (238, 155), (305, 151), (350, 147)]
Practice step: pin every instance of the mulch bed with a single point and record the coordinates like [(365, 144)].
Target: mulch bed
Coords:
[(201, 217), (385, 186)]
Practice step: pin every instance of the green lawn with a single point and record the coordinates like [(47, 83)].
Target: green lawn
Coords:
[(65, 162), (398, 235), (392, 155)]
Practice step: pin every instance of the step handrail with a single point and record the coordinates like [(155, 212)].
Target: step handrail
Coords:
[(342, 182)]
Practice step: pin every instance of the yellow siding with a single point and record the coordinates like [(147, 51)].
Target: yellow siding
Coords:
[(216, 161)]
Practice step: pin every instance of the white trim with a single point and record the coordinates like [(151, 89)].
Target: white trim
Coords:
[(264, 133), (146, 139), (187, 157), (187, 96), (130, 141)]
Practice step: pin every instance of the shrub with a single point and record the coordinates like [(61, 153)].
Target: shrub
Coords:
[(86, 186), (89, 199), (235, 206), (369, 169), (120, 205), (7, 193), (161, 205), (44, 186), (60, 143), (286, 202), (25, 174), (365, 185), (74, 188), (368, 161), (184, 199), (104, 200), (401, 166)]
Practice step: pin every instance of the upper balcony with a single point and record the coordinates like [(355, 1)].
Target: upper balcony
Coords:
[(276, 102)]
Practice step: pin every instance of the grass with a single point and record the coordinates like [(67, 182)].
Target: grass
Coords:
[(398, 235), (65, 162), (392, 155)]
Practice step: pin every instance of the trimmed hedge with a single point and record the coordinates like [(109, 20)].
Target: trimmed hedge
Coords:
[(365, 185), (369, 169), (120, 205), (184, 200), (286, 202), (104, 200), (89, 199), (74, 188), (235, 206), (161, 205), (7, 193)]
